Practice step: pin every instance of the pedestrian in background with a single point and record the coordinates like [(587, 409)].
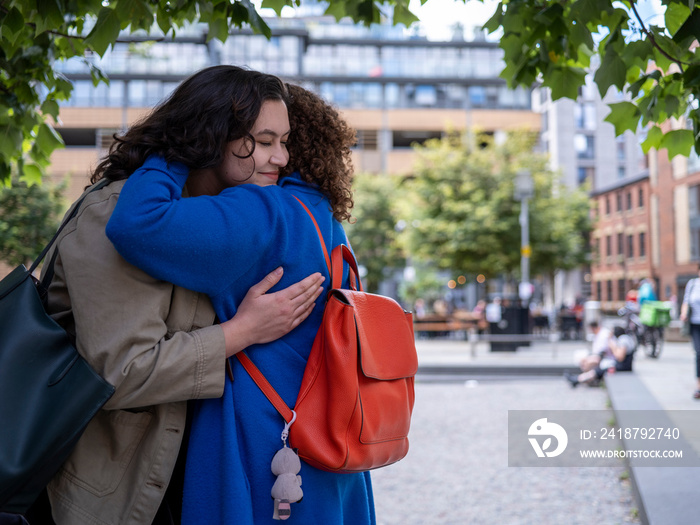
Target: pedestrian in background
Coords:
[(690, 311)]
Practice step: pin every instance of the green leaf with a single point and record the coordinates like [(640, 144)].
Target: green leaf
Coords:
[(678, 142), (612, 72), (105, 32), (585, 11), (653, 140), (50, 107), (624, 116), (689, 31), (134, 12), (12, 24), (50, 11), (47, 139), (676, 14), (31, 174), (691, 76), (402, 15), (97, 74), (564, 82), (10, 141), (494, 23), (164, 20), (580, 35), (642, 82), (255, 21), (218, 28), (277, 5)]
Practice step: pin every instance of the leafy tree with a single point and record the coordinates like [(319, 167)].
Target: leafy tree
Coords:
[(34, 34), (427, 285), (466, 219), (544, 41), (553, 42), (373, 235), (29, 217)]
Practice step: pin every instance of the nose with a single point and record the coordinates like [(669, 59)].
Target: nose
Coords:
[(280, 156)]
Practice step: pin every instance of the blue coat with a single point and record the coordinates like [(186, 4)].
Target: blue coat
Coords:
[(222, 245)]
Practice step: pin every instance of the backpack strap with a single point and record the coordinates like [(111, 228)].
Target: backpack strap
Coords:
[(339, 253), (265, 386)]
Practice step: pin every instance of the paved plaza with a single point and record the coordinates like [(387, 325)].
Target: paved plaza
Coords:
[(457, 469)]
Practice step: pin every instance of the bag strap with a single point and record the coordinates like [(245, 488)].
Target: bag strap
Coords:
[(340, 253), (265, 386), (66, 220)]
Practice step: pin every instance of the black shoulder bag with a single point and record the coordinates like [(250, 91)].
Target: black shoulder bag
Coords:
[(48, 392)]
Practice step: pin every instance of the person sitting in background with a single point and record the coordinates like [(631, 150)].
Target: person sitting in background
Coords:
[(601, 343), (617, 356)]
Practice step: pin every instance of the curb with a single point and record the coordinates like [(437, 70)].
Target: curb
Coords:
[(664, 495)]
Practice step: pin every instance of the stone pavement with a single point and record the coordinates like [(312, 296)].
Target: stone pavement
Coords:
[(457, 472)]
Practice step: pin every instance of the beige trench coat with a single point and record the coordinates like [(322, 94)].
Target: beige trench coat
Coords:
[(154, 342)]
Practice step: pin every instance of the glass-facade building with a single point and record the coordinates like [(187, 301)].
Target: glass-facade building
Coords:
[(394, 88)]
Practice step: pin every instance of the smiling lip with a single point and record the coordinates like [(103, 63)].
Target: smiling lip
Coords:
[(271, 175)]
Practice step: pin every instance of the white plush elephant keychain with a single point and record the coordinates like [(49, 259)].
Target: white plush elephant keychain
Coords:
[(287, 488)]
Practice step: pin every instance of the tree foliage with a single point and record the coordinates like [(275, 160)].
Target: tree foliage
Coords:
[(30, 215), (554, 42), (373, 235), (34, 34), (465, 215), (545, 41)]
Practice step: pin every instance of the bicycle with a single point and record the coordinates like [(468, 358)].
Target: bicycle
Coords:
[(649, 334)]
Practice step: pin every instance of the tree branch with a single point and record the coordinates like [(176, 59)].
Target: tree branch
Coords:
[(653, 41)]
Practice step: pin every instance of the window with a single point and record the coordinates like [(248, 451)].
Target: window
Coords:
[(405, 139), (693, 162), (694, 219), (585, 174), (630, 246), (618, 198), (642, 244), (620, 244), (610, 290), (641, 197), (621, 173), (584, 146), (608, 245), (584, 115), (620, 141), (597, 253), (607, 205), (599, 290), (629, 200), (366, 139), (621, 289)]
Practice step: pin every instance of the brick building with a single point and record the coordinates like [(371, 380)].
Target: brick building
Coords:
[(648, 226), (621, 247)]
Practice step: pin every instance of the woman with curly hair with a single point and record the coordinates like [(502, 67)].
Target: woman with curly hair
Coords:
[(222, 244)]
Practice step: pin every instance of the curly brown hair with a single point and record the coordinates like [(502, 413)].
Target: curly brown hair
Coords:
[(319, 148), (196, 122)]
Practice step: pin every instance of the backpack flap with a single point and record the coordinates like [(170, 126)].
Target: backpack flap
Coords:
[(385, 336)]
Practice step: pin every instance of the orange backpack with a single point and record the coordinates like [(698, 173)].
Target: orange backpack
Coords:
[(353, 411)]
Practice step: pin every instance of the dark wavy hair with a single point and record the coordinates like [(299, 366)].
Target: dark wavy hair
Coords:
[(196, 122), (319, 148)]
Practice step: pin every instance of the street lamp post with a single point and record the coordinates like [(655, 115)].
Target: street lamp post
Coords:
[(524, 189)]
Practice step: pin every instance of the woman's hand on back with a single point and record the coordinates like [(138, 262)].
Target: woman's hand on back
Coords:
[(264, 317)]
